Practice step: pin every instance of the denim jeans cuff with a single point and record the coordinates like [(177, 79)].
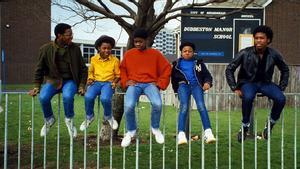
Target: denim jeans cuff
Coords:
[(107, 117), (89, 117), (50, 117), (132, 133), (69, 117), (272, 121), (246, 124)]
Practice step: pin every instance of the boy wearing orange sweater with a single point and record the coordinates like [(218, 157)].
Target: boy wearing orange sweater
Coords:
[(143, 71)]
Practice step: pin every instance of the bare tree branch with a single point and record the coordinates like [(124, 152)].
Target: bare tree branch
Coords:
[(162, 22), (144, 15), (102, 11), (105, 7), (135, 3), (168, 10), (126, 7)]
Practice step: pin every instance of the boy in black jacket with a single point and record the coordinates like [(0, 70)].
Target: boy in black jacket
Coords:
[(257, 65)]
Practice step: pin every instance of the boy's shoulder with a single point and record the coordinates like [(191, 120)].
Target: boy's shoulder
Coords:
[(131, 50), (96, 56), (114, 58)]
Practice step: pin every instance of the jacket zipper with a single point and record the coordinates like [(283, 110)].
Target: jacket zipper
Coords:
[(195, 72), (181, 72)]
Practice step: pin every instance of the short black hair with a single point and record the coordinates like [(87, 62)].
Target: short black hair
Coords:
[(187, 44), (61, 28), (140, 33), (266, 30), (105, 39)]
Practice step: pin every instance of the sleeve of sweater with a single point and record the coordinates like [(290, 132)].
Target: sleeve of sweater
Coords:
[(123, 72), (207, 78), (117, 68), (164, 68), (174, 79)]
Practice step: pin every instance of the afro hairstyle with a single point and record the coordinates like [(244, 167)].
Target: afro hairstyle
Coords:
[(266, 30), (140, 33), (105, 39)]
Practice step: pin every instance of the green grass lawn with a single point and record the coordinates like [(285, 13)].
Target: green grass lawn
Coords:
[(169, 118)]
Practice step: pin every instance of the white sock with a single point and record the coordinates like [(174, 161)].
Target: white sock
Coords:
[(208, 131)]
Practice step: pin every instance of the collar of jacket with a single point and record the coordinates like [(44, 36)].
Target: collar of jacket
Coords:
[(196, 61), (268, 57)]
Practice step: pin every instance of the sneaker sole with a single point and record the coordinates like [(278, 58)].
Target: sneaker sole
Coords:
[(210, 141), (181, 143)]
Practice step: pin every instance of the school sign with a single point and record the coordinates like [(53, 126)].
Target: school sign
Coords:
[(217, 40)]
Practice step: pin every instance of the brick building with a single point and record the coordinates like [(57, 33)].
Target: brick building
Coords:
[(25, 26)]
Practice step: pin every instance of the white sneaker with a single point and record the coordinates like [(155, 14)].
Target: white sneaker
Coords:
[(181, 138), (127, 138), (113, 123), (159, 137), (86, 123), (46, 127), (71, 128), (209, 137)]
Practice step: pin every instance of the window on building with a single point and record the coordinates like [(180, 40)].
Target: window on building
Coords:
[(88, 52), (116, 52)]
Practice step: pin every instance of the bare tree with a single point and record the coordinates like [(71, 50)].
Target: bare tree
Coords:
[(132, 14)]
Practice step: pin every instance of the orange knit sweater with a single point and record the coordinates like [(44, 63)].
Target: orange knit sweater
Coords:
[(145, 66)]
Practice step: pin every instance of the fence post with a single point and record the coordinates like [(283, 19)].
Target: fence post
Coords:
[(58, 132), (5, 132), (229, 133), (19, 134), (98, 131), (32, 133), (295, 133)]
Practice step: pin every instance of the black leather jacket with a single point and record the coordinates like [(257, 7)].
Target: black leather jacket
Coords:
[(247, 59), (201, 72)]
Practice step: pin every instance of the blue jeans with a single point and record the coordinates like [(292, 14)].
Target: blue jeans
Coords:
[(184, 93), (270, 90), (131, 98), (69, 89), (104, 89)]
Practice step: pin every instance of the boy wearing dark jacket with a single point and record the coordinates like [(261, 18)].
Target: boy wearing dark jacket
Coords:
[(61, 66), (191, 77), (255, 76)]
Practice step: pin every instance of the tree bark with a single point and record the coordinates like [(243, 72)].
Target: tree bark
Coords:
[(117, 111)]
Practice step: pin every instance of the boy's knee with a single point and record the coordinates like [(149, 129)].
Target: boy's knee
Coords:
[(184, 108), (129, 106), (156, 105), (44, 98), (280, 100), (105, 100), (68, 97), (248, 98)]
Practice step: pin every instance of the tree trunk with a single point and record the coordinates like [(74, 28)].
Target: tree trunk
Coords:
[(117, 110)]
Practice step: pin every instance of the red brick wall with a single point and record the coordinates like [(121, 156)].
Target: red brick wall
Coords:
[(284, 18), (30, 27)]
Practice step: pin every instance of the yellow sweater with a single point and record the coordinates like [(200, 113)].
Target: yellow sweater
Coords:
[(104, 69)]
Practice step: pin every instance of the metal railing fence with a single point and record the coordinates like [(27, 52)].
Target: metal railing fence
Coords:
[(16, 139)]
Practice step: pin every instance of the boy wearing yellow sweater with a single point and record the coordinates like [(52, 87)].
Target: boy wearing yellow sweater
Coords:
[(103, 75)]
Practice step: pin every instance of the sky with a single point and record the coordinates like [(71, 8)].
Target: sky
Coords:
[(85, 31)]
